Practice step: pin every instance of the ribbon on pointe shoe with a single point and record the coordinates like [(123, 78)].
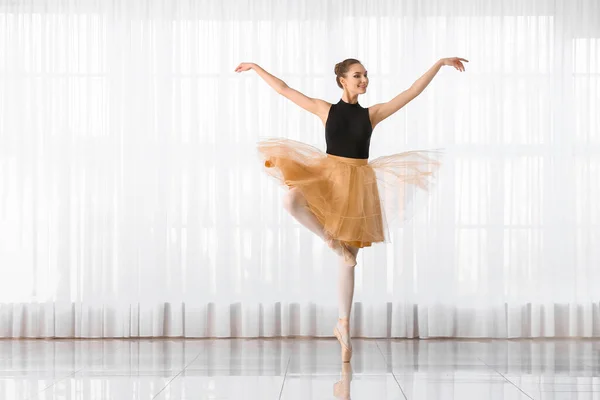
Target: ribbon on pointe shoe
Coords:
[(342, 333)]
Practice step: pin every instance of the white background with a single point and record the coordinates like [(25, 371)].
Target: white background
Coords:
[(133, 203)]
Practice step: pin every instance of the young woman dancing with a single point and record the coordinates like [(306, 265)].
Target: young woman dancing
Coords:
[(338, 194)]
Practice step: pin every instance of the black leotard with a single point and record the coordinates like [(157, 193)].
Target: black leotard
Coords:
[(348, 130)]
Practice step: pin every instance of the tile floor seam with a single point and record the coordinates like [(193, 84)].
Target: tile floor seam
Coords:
[(284, 376), (391, 370), (505, 378), (37, 395), (176, 375)]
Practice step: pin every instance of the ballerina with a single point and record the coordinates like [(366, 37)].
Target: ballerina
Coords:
[(335, 194)]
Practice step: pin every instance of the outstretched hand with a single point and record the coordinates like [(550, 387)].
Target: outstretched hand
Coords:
[(454, 62), (243, 67)]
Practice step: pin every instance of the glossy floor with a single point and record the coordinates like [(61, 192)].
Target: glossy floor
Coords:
[(299, 369)]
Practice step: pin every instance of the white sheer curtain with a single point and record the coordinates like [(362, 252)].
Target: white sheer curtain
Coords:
[(132, 202)]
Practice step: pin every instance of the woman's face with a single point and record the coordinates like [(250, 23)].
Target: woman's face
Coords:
[(356, 79)]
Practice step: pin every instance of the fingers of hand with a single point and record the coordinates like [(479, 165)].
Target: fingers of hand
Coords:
[(456, 63), (459, 66)]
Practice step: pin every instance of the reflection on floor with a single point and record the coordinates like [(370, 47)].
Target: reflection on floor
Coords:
[(299, 369)]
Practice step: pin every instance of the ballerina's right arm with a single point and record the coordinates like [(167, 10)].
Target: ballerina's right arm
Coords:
[(316, 106)]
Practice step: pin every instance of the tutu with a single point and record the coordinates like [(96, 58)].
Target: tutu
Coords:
[(353, 199)]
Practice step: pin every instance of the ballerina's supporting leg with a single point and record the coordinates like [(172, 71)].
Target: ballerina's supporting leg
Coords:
[(345, 287), (345, 297), (297, 206)]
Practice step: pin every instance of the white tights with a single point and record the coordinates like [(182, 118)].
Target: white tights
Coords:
[(296, 205)]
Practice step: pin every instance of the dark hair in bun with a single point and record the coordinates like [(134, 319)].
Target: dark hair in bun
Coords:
[(342, 68)]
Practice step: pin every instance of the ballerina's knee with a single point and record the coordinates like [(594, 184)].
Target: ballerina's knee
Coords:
[(293, 201)]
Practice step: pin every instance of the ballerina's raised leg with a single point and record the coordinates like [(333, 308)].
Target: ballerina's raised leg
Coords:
[(297, 206)]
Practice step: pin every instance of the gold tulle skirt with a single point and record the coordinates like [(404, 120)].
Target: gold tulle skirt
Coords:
[(353, 199)]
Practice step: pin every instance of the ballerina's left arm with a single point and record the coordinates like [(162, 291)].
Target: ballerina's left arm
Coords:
[(381, 111)]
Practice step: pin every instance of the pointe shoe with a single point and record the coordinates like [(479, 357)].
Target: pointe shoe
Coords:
[(341, 249), (346, 349), (341, 389)]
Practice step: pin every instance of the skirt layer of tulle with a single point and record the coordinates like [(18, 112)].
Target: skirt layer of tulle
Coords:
[(353, 199)]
